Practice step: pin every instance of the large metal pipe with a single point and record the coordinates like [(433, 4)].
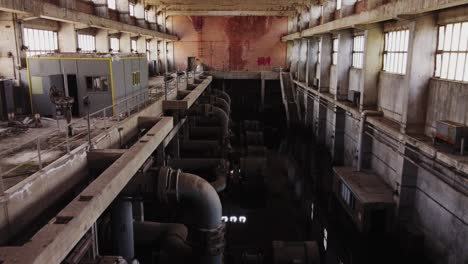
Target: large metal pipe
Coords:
[(172, 238), (364, 116), (208, 236), (222, 94), (210, 110), (216, 166), (122, 229), (217, 101)]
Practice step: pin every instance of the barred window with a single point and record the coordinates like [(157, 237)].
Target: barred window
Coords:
[(131, 9), (133, 45), (111, 4), (452, 52), (39, 41), (86, 43), (358, 51), (347, 196), (115, 44), (335, 51), (396, 51)]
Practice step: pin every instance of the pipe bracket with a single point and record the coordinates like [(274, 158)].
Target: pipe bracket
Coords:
[(167, 188)]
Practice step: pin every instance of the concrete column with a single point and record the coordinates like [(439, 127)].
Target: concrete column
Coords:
[(302, 62), (67, 38), (122, 8), (338, 136), (325, 63), (102, 41), (170, 56), (345, 51), (152, 18), (100, 7), (140, 15), (373, 49), (312, 60), (122, 229), (125, 46), (423, 41), (141, 45), (154, 49), (320, 119), (10, 45)]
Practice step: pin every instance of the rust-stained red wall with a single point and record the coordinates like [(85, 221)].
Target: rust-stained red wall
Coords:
[(231, 43)]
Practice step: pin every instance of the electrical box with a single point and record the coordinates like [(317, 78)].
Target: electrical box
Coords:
[(451, 132), (365, 198)]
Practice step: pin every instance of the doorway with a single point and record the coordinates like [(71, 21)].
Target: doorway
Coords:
[(73, 92)]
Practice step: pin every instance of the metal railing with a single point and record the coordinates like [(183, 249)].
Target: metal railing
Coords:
[(116, 112), (65, 143)]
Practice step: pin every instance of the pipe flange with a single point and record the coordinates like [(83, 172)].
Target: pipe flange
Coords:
[(209, 242), (167, 189)]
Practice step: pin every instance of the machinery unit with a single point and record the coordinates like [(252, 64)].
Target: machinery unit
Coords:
[(451, 132), (105, 78), (7, 98), (365, 198)]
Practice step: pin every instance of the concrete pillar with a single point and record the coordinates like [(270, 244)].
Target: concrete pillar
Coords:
[(302, 62), (141, 45), (373, 49), (320, 119), (123, 9), (125, 46), (315, 14), (170, 56), (10, 45), (154, 49), (102, 41), (312, 62), (423, 41), (152, 18), (325, 63), (338, 136), (67, 38), (100, 8), (122, 229), (140, 15), (345, 51)]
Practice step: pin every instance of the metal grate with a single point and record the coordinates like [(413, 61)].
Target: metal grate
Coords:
[(452, 52), (396, 51)]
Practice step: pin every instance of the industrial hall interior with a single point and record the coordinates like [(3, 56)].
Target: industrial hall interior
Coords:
[(233, 131)]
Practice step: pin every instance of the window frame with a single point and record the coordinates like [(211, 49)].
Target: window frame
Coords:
[(93, 79), (339, 4), (358, 54), (136, 78), (112, 4), (443, 70), (395, 54), (110, 44), (335, 50), (84, 39), (132, 48), (131, 9), (37, 46)]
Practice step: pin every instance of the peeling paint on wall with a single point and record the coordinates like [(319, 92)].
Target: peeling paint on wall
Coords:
[(231, 43)]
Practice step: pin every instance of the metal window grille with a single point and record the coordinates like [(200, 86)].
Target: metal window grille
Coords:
[(131, 9), (86, 43), (396, 51), (39, 41), (133, 45), (335, 51), (111, 4), (115, 44), (452, 52), (358, 52)]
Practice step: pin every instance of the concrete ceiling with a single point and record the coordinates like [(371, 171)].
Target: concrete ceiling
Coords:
[(229, 7)]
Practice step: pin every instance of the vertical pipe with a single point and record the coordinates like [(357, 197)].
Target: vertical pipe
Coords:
[(122, 229)]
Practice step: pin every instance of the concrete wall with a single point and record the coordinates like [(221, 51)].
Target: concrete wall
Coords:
[(391, 92), (232, 43), (446, 101)]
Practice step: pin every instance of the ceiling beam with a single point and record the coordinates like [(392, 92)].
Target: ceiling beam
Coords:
[(386, 12), (229, 13), (41, 9)]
